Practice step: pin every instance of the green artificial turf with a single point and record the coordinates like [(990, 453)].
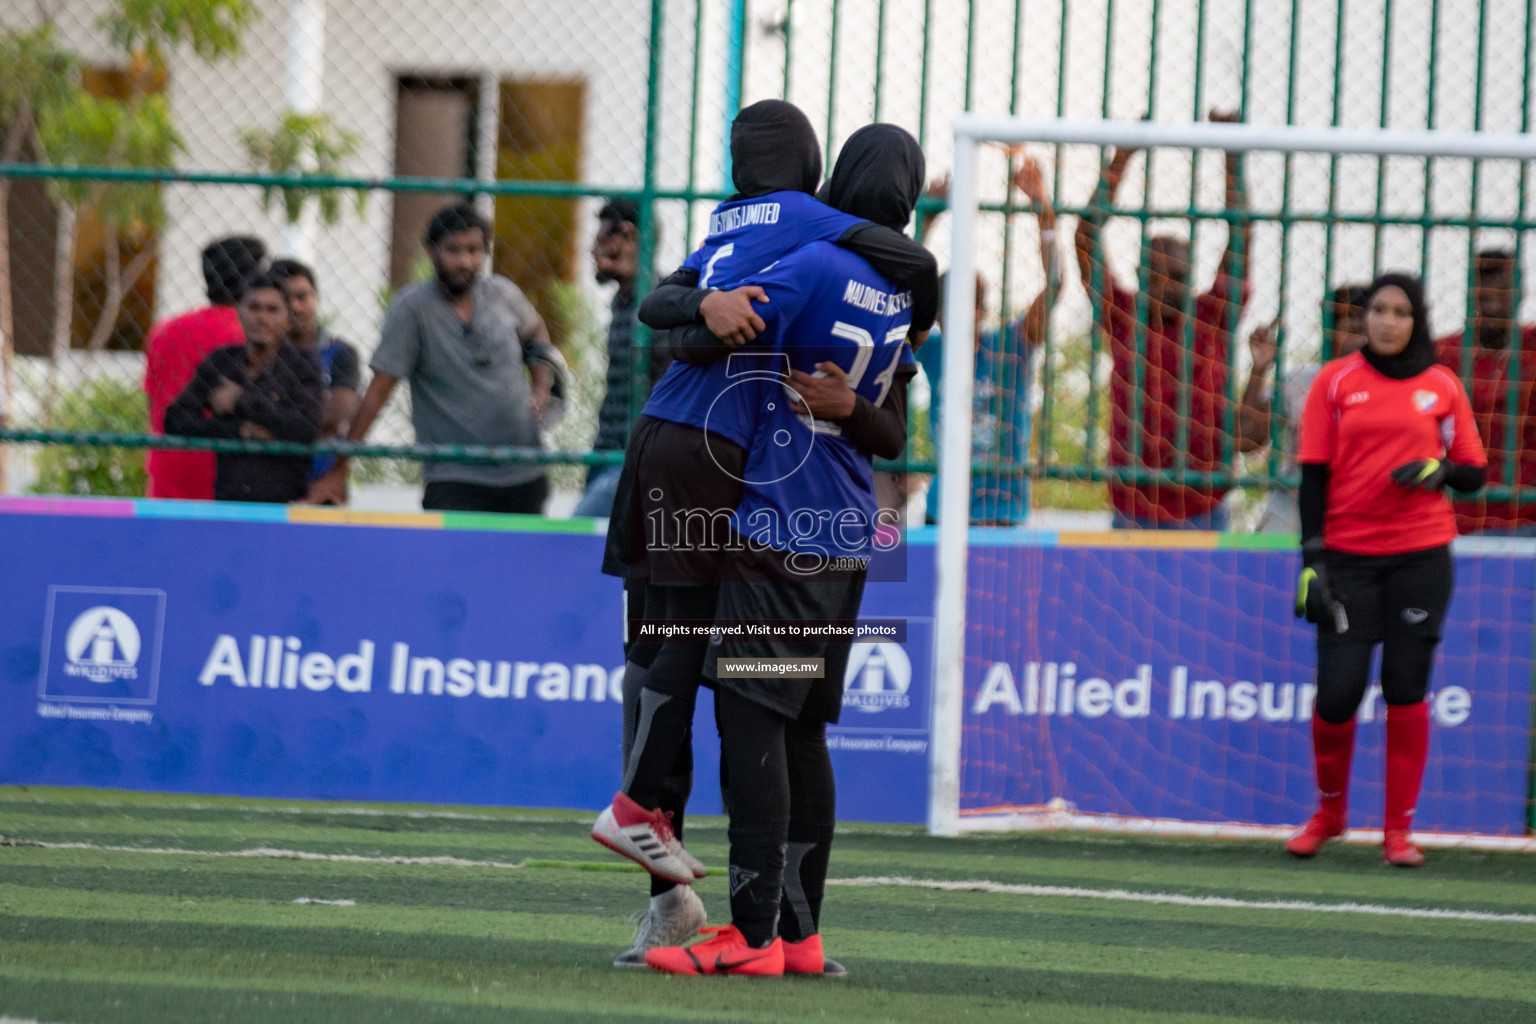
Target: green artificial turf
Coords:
[(173, 929)]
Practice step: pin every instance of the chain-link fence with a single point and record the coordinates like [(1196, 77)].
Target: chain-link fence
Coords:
[(136, 131)]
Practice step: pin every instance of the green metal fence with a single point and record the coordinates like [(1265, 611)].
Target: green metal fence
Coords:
[(143, 130)]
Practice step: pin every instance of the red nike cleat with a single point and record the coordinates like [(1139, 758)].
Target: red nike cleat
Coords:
[(806, 958), (724, 952), (1319, 830), (1399, 851)]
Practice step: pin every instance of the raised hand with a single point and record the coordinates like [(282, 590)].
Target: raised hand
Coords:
[(1028, 179), (1262, 345)]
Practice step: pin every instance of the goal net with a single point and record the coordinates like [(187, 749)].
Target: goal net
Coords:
[(1140, 680)]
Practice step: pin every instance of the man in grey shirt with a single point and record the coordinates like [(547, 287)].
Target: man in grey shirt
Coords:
[(464, 342)]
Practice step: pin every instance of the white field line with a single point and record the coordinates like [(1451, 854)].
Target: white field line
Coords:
[(264, 853), (893, 881), (1181, 900), (326, 903), (1030, 819), (369, 812)]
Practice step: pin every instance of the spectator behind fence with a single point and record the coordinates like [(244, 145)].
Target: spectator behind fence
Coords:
[(1490, 364), (1000, 418), (339, 366), (1166, 266), (616, 257), (266, 389), (463, 341), (173, 351), (1344, 334)]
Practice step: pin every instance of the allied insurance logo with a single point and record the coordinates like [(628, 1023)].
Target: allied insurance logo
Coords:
[(879, 676), (101, 645)]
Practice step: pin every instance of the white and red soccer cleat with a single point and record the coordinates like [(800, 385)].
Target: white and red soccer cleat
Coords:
[(1322, 827), (672, 919), (724, 952), (693, 863), (643, 836)]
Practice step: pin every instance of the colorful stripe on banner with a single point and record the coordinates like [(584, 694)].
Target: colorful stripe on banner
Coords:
[(114, 508), (309, 515), (1186, 540), (917, 536)]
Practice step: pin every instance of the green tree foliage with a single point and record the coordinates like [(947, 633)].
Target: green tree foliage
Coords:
[(107, 405), (1066, 442), (309, 144), (39, 75), (214, 29), (94, 131)]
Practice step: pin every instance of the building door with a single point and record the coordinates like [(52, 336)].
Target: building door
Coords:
[(436, 124), (539, 138)]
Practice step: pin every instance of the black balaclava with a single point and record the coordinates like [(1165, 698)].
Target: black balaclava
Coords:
[(1419, 354), (878, 176), (774, 149)]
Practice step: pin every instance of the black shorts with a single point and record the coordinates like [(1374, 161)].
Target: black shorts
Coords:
[(750, 594), (1389, 596), (670, 519)]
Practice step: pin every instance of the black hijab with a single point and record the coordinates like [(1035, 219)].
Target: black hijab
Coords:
[(878, 176), (774, 149), (1419, 354)]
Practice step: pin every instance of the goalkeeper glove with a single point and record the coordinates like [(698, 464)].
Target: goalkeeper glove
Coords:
[(1422, 474), (1316, 600)]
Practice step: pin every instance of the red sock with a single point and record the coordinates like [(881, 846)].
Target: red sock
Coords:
[(1333, 747), (1407, 750)]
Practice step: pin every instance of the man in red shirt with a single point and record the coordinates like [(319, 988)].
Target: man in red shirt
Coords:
[(173, 351), (1488, 367), (1158, 323)]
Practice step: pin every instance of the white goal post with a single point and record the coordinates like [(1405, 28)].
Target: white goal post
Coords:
[(970, 132)]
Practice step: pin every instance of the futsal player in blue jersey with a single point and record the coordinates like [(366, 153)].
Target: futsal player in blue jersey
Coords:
[(690, 456), (805, 531), (687, 451)]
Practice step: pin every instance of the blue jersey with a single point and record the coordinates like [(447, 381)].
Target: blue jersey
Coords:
[(745, 236), (807, 488), (1000, 421), (321, 464)]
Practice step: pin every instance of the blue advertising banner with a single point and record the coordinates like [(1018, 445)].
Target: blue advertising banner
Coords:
[(484, 667), (1177, 684), (356, 663)]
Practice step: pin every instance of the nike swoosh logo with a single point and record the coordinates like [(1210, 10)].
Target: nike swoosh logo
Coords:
[(725, 966)]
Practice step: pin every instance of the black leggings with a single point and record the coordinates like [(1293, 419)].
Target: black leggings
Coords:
[(782, 802), (1398, 601), (670, 779), (663, 705)]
